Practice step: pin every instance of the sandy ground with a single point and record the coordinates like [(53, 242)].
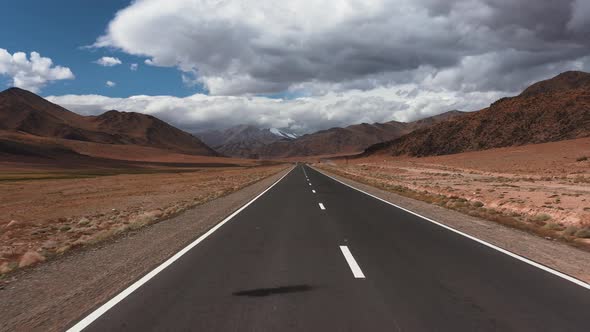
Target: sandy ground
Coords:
[(44, 218), (54, 295), (549, 252), (544, 188)]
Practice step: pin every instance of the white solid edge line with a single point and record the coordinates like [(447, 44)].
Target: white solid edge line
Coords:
[(356, 269), (119, 297), (504, 251), (322, 206)]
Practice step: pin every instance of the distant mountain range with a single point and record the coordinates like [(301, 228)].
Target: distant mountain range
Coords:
[(26, 114), (243, 140), (333, 141), (551, 110)]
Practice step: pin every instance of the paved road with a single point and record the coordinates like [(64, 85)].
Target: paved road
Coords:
[(353, 263)]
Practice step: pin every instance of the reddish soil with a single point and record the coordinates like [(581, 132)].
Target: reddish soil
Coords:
[(45, 214)]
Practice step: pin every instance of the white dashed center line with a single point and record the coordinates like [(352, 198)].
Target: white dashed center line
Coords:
[(356, 269), (313, 191), (322, 206)]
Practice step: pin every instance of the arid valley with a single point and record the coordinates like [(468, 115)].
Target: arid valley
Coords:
[(387, 165)]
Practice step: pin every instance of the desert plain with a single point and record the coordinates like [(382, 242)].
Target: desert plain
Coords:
[(48, 211)]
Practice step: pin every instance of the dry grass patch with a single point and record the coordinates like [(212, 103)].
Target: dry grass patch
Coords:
[(583, 233), (52, 216)]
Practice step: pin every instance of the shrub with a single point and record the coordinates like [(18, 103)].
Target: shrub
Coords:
[(584, 233), (570, 230), (477, 204), (541, 217), (553, 226), (584, 158)]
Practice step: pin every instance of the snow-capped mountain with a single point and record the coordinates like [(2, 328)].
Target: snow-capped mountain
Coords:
[(252, 142), (243, 140), (282, 133)]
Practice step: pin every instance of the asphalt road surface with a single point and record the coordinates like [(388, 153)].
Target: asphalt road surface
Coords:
[(312, 254)]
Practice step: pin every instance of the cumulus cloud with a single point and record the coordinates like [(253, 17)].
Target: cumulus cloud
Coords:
[(31, 73), (265, 46), (339, 62), (107, 61), (133, 66), (302, 115), (110, 84)]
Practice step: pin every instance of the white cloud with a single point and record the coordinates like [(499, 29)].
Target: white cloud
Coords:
[(580, 12), (133, 66), (31, 73), (107, 61), (268, 46), (365, 61), (306, 114), (110, 84)]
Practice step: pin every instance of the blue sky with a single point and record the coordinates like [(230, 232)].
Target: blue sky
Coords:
[(58, 29)]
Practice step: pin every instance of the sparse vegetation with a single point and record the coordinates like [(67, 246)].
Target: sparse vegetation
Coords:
[(570, 231), (541, 218), (477, 204), (120, 204), (552, 226), (584, 158), (583, 233)]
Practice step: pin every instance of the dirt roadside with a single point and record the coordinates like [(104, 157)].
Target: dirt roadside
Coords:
[(559, 256), (52, 296)]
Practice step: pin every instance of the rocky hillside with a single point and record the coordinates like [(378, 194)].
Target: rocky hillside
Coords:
[(552, 110), (24, 111)]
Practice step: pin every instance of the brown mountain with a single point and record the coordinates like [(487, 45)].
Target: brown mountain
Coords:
[(429, 121), (348, 140), (24, 111), (552, 110)]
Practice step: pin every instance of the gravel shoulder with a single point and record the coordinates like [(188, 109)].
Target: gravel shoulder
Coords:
[(557, 255), (54, 295)]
